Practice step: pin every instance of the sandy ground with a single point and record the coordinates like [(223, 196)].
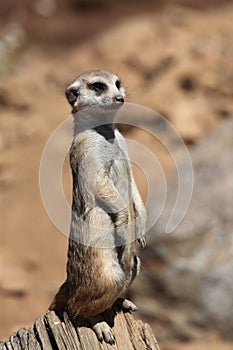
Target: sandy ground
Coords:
[(32, 251)]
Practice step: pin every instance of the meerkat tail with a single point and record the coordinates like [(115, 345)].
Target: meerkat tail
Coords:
[(60, 300)]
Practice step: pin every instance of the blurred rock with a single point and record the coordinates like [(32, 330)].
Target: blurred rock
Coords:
[(45, 7), (191, 269), (12, 38), (13, 282)]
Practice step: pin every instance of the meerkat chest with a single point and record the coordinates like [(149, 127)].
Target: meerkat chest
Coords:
[(94, 153), (120, 171)]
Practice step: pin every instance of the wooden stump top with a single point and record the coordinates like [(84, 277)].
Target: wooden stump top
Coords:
[(60, 333)]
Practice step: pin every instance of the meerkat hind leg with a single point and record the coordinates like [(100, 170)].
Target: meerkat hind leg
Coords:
[(102, 329), (125, 304)]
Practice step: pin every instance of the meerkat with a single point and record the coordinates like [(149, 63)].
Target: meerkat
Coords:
[(108, 215)]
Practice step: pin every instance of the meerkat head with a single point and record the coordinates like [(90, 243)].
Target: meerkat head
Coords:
[(97, 89)]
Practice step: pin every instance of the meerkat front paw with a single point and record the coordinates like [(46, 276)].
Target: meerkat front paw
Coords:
[(102, 330), (142, 241)]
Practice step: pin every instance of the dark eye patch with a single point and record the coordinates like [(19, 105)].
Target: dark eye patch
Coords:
[(118, 84), (98, 86)]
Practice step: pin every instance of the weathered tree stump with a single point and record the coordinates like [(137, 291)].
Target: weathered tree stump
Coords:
[(61, 333)]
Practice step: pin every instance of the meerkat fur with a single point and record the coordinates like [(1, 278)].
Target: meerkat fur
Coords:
[(108, 215)]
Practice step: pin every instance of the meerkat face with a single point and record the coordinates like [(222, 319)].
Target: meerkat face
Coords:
[(97, 88)]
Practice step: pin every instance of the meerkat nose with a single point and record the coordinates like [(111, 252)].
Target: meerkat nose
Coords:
[(119, 98)]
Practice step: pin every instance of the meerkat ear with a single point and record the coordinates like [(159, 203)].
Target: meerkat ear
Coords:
[(72, 94)]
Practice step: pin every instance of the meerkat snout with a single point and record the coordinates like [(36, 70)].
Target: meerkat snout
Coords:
[(119, 99), (71, 95)]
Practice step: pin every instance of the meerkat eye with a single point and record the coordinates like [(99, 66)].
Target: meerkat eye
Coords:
[(98, 86), (118, 84)]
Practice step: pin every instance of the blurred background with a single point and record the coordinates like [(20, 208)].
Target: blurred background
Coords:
[(175, 57)]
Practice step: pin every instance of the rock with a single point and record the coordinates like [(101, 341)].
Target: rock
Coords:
[(191, 269)]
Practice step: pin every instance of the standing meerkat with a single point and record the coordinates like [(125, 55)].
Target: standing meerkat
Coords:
[(108, 215)]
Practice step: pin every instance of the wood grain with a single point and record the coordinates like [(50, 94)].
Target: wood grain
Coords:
[(61, 333)]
